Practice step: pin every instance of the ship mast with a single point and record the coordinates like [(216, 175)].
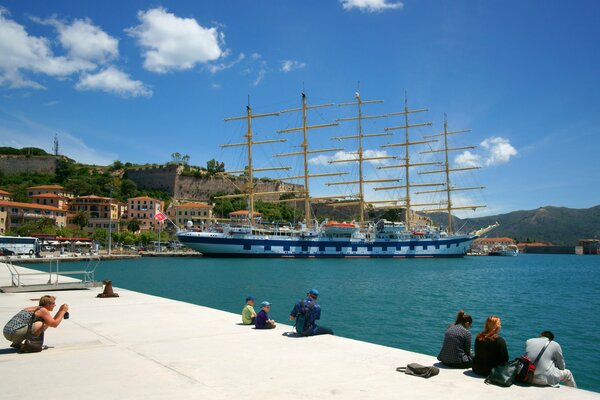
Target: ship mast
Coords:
[(447, 170), (406, 203), (360, 158), (305, 153), (250, 192)]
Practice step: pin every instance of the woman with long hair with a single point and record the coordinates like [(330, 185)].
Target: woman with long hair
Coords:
[(456, 349), (490, 348)]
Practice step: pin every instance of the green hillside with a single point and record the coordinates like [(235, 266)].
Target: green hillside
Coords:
[(557, 225)]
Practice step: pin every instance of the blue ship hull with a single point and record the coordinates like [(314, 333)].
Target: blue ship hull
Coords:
[(222, 245)]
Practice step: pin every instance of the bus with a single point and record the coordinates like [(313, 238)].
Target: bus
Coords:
[(20, 244)]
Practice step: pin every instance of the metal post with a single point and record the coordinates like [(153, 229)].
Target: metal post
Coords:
[(110, 221)]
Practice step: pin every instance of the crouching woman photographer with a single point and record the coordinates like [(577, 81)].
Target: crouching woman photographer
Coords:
[(15, 330)]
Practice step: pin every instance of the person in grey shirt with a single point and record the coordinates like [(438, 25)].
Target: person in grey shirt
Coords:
[(551, 368)]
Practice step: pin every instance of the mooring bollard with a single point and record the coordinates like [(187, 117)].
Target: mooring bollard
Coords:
[(108, 290)]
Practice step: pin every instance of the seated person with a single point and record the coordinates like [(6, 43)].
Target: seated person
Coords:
[(551, 368), (15, 330), (262, 319), (490, 348), (306, 313), (248, 313), (456, 350)]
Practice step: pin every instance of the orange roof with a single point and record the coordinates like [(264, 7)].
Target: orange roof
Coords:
[(201, 205), (243, 212), (3, 192), (47, 195), (143, 198), (47, 187), (92, 196), (29, 205)]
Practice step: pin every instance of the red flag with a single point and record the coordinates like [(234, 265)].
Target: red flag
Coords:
[(159, 216)]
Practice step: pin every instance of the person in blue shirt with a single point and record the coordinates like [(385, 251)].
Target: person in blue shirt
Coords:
[(306, 312), (262, 318)]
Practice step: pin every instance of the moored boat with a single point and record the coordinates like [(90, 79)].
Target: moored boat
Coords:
[(381, 239)]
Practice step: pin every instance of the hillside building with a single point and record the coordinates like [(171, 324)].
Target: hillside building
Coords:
[(4, 195), (144, 209), (14, 214), (102, 212), (51, 199), (200, 214), (49, 189)]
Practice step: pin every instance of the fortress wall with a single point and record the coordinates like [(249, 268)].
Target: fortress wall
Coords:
[(161, 177), (13, 164)]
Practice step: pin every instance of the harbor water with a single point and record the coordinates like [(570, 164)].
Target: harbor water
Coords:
[(404, 303)]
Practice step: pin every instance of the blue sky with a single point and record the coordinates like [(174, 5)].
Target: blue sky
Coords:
[(139, 81)]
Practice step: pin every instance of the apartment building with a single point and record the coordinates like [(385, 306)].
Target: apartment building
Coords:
[(49, 189), (13, 214), (144, 209), (4, 195), (201, 214), (102, 212)]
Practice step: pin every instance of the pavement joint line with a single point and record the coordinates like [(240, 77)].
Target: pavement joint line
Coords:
[(163, 365)]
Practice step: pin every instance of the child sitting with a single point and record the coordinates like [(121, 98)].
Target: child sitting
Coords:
[(262, 319)]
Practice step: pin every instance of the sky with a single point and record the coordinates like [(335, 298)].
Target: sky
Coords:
[(138, 81)]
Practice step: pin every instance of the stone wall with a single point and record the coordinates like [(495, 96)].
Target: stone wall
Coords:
[(189, 187), (192, 188), (12, 164), (161, 177)]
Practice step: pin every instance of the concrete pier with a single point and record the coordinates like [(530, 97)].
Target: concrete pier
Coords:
[(139, 346)]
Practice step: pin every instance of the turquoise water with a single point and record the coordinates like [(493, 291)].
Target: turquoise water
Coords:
[(396, 302)]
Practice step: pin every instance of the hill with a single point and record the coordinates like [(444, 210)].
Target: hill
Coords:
[(557, 225)]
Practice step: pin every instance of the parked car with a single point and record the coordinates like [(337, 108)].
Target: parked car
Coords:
[(6, 252)]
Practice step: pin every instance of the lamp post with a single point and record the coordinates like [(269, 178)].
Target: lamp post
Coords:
[(110, 220)]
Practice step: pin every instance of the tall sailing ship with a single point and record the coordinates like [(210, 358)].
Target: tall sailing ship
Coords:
[(411, 238)]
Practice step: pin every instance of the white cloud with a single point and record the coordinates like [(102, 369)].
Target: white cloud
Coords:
[(499, 150), (290, 65), (22, 52), (174, 43), (345, 155), (86, 41), (113, 80), (214, 68), (467, 159), (371, 5)]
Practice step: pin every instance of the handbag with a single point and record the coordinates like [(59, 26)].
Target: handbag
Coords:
[(32, 344), (422, 371), (527, 368), (504, 374)]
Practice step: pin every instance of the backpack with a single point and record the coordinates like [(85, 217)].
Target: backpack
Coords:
[(526, 370), (303, 324)]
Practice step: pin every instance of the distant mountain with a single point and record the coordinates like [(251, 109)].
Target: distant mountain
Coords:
[(558, 225)]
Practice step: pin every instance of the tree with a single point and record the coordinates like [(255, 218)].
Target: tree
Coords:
[(128, 188), (81, 219), (146, 237), (176, 157), (213, 167), (100, 235), (133, 225)]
